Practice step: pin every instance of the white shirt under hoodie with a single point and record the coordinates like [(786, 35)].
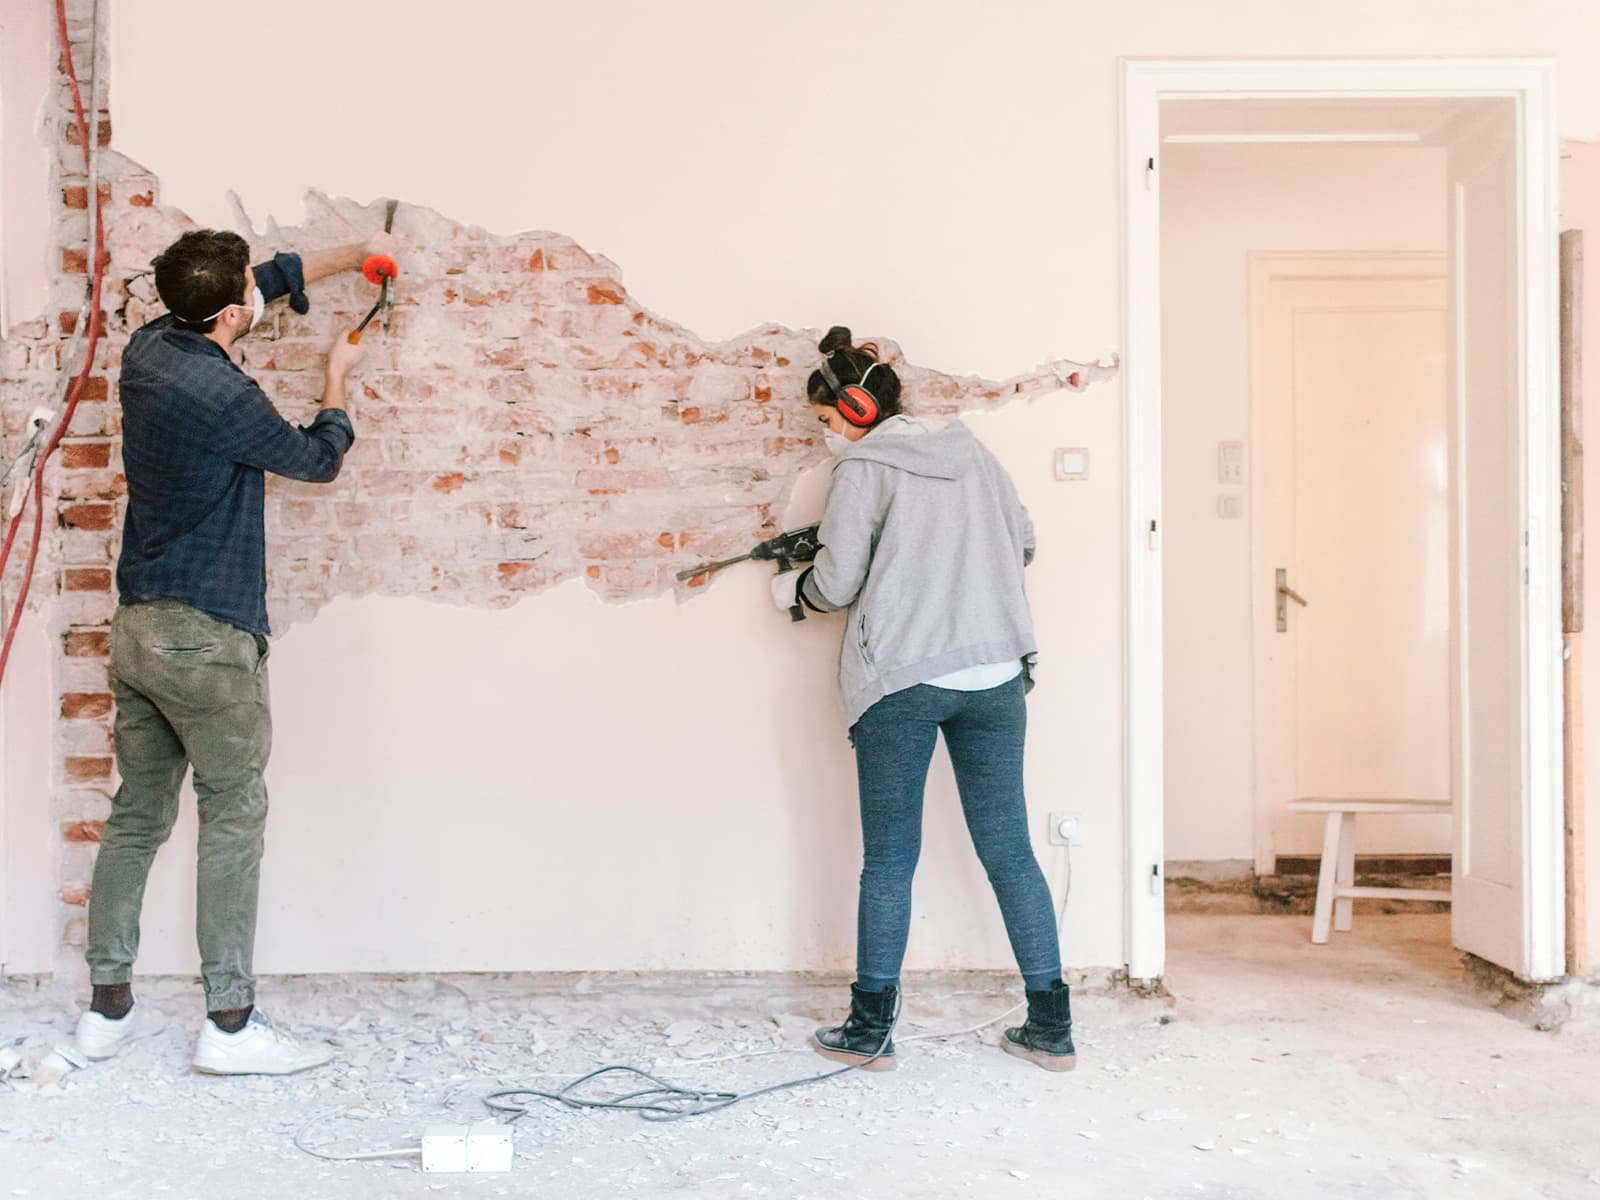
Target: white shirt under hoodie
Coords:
[(924, 543)]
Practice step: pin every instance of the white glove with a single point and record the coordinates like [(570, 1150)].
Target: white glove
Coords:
[(786, 590)]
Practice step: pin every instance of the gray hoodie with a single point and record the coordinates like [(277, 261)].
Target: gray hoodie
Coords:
[(924, 542)]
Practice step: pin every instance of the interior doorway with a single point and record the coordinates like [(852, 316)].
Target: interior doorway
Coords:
[(1354, 409)]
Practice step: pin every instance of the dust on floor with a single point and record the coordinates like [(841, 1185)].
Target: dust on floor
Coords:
[(1365, 1068)]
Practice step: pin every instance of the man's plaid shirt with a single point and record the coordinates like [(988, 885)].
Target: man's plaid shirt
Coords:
[(198, 436)]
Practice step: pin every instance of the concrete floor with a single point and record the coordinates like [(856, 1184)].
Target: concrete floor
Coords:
[(1361, 1069)]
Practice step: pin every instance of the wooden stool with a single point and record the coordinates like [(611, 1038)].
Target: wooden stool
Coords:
[(1336, 889)]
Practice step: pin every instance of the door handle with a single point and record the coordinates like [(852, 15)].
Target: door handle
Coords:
[(1286, 594)]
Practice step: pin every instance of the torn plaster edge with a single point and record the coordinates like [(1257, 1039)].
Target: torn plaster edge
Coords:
[(1548, 1007), (1053, 374), (928, 391)]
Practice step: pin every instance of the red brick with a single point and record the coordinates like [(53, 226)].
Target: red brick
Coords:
[(518, 576), (142, 199), (85, 456), (607, 482), (87, 579), (77, 195), (88, 643), (104, 130), (536, 261), (88, 768), (88, 516), (75, 262), (75, 894), (568, 257), (604, 294), (96, 390), (78, 706), (82, 831), (623, 546), (449, 483)]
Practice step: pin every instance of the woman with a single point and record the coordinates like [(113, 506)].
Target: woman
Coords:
[(924, 546)]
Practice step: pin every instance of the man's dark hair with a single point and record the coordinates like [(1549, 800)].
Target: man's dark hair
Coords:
[(200, 274)]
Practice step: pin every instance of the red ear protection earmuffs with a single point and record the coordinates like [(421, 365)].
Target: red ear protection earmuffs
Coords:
[(855, 404)]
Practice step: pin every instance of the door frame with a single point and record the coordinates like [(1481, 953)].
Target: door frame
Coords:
[(1146, 83), (1272, 273)]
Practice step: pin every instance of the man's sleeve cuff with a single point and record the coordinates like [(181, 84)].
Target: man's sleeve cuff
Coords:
[(339, 418), (284, 276)]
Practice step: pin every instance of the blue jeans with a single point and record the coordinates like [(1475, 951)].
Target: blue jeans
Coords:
[(894, 743)]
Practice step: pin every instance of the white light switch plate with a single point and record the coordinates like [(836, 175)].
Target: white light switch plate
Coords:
[(1230, 462), (1072, 462), (1230, 508)]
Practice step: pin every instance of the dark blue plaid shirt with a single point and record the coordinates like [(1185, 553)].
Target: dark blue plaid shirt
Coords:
[(198, 435)]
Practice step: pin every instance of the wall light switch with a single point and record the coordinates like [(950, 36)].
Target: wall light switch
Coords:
[(1230, 508), (1072, 462), (1230, 462)]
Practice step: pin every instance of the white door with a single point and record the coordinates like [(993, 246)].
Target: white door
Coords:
[(1350, 511), (1495, 794)]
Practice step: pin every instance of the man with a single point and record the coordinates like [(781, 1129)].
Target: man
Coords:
[(189, 639)]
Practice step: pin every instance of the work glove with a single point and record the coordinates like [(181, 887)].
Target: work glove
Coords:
[(786, 592)]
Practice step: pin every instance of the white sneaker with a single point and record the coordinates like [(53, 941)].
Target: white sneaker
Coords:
[(99, 1037), (257, 1049)]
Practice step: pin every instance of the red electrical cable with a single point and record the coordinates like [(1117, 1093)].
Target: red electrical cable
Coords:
[(98, 267)]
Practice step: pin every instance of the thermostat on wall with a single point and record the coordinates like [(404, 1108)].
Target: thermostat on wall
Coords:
[(1072, 462)]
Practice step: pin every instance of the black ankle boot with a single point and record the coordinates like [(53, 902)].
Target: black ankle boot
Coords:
[(868, 1026), (1046, 1039)]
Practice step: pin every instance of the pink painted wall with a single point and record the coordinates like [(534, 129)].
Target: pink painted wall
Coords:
[(683, 143), (27, 41)]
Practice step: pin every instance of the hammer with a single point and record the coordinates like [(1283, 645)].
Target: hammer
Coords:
[(379, 269)]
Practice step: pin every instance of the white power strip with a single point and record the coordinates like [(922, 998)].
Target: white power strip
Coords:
[(485, 1146)]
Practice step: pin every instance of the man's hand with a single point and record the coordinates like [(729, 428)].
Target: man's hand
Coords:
[(343, 358), (381, 243)]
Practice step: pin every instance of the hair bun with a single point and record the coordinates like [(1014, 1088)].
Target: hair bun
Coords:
[(836, 339)]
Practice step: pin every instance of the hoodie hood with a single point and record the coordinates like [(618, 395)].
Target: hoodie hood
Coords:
[(934, 449)]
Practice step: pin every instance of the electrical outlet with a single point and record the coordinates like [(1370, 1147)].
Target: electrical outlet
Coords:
[(1065, 830)]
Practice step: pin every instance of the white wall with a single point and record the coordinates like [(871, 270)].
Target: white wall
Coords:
[(27, 64), (1218, 205), (28, 907), (28, 911), (706, 148)]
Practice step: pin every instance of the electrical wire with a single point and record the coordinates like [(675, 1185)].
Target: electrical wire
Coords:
[(669, 1101), (361, 1156), (90, 141), (666, 1101)]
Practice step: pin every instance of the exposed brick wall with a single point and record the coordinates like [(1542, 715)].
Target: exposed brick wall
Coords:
[(525, 422)]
